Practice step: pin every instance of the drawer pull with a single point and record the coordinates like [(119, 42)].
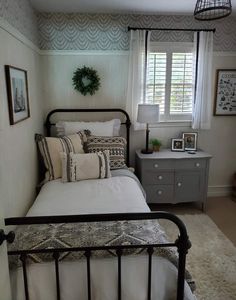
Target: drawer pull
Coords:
[(197, 165), (156, 166), (179, 184), (159, 192), (160, 177)]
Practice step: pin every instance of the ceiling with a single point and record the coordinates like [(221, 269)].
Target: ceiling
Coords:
[(117, 6)]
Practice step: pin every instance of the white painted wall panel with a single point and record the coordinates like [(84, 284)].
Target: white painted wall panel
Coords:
[(57, 80), (18, 161), (220, 141)]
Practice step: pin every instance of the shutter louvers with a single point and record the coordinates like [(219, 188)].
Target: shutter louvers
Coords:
[(156, 80), (181, 83)]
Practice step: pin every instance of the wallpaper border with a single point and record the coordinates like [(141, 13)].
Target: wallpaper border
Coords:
[(21, 15), (58, 31), (7, 27)]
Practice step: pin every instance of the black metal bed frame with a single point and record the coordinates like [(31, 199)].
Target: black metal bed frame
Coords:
[(182, 243), (127, 123)]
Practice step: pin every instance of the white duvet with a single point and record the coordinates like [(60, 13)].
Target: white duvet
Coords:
[(113, 195)]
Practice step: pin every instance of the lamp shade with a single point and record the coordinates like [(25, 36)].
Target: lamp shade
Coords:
[(207, 10), (148, 113)]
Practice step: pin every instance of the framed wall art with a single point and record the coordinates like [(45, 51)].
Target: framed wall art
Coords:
[(190, 141), (17, 93), (177, 145), (225, 94)]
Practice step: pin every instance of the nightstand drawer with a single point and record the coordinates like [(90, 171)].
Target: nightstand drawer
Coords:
[(158, 164), (159, 193), (153, 177), (193, 164), (173, 177)]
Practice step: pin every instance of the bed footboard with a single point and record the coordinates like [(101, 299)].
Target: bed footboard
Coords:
[(182, 244)]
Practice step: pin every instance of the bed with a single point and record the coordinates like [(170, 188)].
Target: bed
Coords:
[(96, 239)]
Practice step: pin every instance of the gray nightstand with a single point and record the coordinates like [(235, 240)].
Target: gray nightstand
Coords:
[(174, 177)]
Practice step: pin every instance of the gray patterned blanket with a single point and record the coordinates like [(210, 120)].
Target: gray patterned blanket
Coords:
[(49, 236)]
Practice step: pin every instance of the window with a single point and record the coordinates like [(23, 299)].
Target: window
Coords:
[(170, 80)]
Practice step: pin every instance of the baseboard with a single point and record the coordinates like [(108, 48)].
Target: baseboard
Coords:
[(219, 191)]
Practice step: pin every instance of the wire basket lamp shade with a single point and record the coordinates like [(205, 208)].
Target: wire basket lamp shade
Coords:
[(207, 10)]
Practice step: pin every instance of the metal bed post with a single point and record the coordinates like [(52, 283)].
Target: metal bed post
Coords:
[(88, 255), (23, 260)]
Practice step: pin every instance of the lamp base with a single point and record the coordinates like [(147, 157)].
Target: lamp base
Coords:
[(144, 151)]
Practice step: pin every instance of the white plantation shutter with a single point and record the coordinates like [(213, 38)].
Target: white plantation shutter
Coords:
[(156, 80), (181, 83), (170, 81)]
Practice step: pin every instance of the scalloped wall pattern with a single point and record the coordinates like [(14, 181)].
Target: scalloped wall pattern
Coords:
[(20, 15), (58, 31)]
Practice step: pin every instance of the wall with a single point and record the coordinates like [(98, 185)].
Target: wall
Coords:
[(220, 141), (101, 41), (20, 15), (59, 31), (18, 161)]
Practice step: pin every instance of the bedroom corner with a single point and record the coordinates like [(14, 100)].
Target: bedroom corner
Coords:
[(18, 40)]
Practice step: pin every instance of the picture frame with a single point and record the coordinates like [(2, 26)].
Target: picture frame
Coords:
[(190, 141), (225, 92), (177, 145), (17, 94)]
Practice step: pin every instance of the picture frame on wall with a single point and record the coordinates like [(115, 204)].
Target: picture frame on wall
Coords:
[(177, 145), (17, 94), (225, 93), (190, 141)]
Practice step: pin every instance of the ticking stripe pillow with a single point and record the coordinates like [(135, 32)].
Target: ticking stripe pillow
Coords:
[(115, 145), (77, 167), (51, 147)]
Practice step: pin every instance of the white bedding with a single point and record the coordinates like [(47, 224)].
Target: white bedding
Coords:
[(113, 195)]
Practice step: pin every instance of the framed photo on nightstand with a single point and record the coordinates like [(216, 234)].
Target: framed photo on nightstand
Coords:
[(177, 145), (190, 141)]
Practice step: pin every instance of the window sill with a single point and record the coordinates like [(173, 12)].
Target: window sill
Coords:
[(179, 123)]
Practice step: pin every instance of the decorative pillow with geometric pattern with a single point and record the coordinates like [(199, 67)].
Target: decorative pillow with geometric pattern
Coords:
[(116, 146)]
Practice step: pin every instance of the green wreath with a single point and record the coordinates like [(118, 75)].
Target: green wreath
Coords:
[(86, 81)]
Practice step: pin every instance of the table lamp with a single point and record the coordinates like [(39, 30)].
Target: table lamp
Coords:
[(149, 114)]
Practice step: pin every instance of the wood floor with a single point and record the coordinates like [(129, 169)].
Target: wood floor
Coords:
[(222, 210)]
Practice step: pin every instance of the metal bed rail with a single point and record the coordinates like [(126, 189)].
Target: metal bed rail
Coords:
[(182, 244)]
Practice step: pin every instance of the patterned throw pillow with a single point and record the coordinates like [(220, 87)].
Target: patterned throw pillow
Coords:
[(115, 145), (51, 147), (77, 167)]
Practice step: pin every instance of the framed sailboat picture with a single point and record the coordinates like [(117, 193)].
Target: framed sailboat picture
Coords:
[(17, 92)]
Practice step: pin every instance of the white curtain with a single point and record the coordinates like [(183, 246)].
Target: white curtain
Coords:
[(203, 42), (138, 56)]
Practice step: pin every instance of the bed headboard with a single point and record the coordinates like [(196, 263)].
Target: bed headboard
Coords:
[(126, 123)]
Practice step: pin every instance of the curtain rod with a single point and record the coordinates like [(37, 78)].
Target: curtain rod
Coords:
[(169, 29)]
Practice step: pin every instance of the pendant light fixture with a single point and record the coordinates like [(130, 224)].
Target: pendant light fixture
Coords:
[(207, 10)]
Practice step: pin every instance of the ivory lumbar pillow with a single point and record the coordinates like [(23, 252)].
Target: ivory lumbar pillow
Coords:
[(77, 167)]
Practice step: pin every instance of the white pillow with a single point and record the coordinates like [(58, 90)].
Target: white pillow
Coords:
[(108, 128), (76, 167)]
